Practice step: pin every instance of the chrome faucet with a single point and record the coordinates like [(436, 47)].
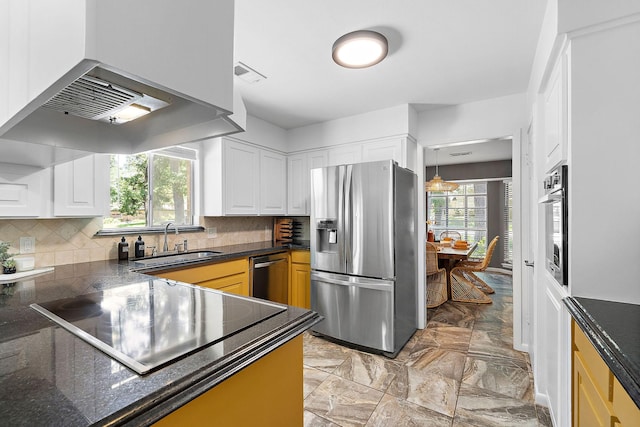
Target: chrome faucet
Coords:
[(165, 247)]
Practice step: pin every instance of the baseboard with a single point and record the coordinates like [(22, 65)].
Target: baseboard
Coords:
[(542, 399)]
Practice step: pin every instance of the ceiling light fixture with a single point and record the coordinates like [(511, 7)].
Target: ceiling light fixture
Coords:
[(437, 184), (360, 49)]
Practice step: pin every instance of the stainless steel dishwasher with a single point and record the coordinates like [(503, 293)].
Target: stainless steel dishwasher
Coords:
[(269, 277)]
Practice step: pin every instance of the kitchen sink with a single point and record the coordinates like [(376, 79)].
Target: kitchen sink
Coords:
[(175, 258)]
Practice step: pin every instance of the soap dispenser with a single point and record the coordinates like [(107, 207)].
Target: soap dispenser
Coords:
[(138, 250), (123, 249)]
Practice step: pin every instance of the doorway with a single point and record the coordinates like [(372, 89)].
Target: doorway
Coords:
[(487, 150)]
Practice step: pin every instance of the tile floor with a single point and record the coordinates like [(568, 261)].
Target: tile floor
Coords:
[(459, 371)]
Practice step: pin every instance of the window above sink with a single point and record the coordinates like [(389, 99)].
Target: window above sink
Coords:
[(151, 189)]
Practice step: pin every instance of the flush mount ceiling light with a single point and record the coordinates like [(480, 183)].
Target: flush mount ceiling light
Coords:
[(360, 49), (437, 184)]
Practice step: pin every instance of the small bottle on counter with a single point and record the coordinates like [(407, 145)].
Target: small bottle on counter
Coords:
[(123, 249), (138, 250)]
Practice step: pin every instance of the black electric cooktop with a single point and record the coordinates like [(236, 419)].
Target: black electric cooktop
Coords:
[(148, 324)]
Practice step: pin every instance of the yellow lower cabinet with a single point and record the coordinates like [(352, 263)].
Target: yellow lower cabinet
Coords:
[(300, 280), (598, 398), (589, 409), (627, 412), (267, 393), (230, 276)]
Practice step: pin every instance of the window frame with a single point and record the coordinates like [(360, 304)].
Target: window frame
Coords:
[(184, 153), (446, 195)]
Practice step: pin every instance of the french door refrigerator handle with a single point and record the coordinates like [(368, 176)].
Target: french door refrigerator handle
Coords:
[(348, 212), (341, 219)]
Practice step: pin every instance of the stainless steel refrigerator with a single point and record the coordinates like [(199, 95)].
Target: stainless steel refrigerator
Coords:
[(364, 254)]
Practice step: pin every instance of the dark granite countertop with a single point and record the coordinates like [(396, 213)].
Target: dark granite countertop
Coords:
[(50, 377), (614, 330)]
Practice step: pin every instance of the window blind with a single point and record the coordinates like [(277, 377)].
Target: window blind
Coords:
[(507, 232)]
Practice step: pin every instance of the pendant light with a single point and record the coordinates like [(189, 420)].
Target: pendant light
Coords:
[(437, 184)]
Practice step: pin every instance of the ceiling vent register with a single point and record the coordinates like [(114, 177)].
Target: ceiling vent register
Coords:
[(247, 74)]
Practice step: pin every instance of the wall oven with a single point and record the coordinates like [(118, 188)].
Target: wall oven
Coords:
[(556, 224)]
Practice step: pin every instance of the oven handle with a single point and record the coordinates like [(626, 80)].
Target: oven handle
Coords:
[(554, 197)]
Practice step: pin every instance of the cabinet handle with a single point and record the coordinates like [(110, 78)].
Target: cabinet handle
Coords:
[(528, 263)]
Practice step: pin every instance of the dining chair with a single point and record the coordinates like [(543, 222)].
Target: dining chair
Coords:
[(449, 233), (436, 278), (462, 290), (468, 268)]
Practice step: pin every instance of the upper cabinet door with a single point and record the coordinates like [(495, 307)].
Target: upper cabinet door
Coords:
[(273, 183), (383, 150), (402, 150), (241, 178), (317, 159), (556, 114), (298, 179), (344, 155), (297, 185), (24, 191), (81, 187)]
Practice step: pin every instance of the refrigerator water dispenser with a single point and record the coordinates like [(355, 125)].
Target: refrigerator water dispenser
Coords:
[(327, 240)]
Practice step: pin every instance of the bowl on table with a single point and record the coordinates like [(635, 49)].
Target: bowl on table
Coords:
[(461, 244)]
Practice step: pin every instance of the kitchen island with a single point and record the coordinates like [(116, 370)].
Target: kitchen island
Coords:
[(48, 376)]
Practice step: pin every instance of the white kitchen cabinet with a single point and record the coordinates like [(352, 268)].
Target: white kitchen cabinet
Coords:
[(297, 184), (273, 183), (298, 180), (242, 179), (345, 154), (402, 150), (81, 187), (25, 191), (317, 159), (555, 106)]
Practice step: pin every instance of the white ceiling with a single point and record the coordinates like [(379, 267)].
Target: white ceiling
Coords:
[(441, 53), (474, 152)]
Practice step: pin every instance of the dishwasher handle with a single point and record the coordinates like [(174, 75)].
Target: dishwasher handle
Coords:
[(268, 263)]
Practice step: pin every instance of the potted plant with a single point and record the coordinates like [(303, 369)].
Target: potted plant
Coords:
[(9, 266), (8, 263)]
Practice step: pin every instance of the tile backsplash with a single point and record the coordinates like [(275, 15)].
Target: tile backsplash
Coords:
[(62, 241)]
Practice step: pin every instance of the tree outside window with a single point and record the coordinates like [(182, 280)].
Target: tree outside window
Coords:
[(150, 189)]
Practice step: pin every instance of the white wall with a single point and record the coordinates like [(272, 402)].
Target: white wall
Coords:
[(604, 150), (264, 133), (574, 14), (546, 42), (475, 120), (374, 125)]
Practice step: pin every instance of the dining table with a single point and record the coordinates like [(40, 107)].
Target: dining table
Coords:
[(450, 256)]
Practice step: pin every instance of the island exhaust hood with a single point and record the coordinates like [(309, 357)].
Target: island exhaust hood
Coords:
[(73, 72)]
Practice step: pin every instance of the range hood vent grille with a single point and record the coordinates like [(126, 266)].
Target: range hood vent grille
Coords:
[(92, 98)]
